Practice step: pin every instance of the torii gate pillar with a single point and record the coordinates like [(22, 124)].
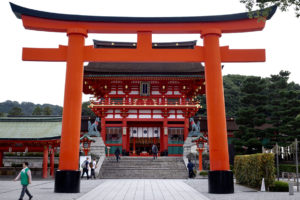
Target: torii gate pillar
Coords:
[(67, 178), (220, 178)]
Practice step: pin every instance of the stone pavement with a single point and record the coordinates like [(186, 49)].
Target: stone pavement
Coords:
[(240, 192), (139, 189), (42, 190), (143, 189)]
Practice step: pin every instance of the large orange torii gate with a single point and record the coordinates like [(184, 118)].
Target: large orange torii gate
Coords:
[(77, 28)]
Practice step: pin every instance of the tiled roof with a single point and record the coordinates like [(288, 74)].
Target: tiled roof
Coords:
[(32, 128)]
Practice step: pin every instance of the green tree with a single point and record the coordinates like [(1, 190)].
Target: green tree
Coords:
[(251, 116), (15, 111), (86, 111), (47, 110), (1, 114), (284, 107), (232, 93), (37, 111), (283, 5)]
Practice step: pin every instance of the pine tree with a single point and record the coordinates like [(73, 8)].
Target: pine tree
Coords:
[(47, 110), (86, 111), (15, 111), (284, 107), (37, 111), (251, 116)]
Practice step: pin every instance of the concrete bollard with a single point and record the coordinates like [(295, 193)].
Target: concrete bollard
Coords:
[(291, 188)]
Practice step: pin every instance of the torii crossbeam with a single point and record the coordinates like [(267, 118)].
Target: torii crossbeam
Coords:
[(77, 28)]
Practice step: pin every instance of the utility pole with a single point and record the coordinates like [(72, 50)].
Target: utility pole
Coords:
[(277, 161), (296, 141)]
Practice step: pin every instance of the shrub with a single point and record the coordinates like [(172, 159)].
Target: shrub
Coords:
[(250, 169), (203, 173), (279, 186), (288, 168)]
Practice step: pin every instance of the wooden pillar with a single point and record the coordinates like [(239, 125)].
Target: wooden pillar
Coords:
[(165, 135), (216, 120), (45, 162), (67, 178), (71, 122), (133, 151), (186, 128), (128, 140), (1, 158), (103, 128), (52, 163), (200, 151), (220, 178), (124, 135)]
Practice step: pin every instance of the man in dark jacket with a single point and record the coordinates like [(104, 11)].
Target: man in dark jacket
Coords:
[(190, 167), (117, 154), (154, 151)]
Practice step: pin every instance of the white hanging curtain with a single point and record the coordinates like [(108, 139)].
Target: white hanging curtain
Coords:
[(145, 132), (150, 132), (156, 132), (140, 132)]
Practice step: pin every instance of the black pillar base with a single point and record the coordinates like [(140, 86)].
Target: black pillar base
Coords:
[(220, 182), (67, 181)]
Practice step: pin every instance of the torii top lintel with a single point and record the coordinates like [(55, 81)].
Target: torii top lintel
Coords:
[(46, 21), (144, 27)]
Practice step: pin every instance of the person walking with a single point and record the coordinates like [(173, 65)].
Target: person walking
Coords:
[(25, 177), (93, 166), (117, 154), (190, 167), (85, 168), (154, 151)]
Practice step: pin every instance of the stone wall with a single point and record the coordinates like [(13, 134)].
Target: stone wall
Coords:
[(34, 162)]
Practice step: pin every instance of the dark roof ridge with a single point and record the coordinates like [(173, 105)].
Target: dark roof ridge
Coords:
[(19, 11)]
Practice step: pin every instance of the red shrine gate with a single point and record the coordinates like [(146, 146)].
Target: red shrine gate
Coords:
[(77, 28)]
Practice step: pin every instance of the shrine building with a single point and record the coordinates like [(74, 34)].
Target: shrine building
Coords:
[(144, 103)]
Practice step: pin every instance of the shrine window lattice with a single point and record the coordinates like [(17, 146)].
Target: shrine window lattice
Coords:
[(113, 135), (175, 135), (145, 89)]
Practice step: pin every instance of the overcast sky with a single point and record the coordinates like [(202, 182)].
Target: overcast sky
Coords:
[(42, 82)]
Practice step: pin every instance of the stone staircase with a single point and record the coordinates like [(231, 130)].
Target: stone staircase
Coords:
[(143, 168), (98, 147)]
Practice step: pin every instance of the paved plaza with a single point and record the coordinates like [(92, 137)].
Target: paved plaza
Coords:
[(138, 189)]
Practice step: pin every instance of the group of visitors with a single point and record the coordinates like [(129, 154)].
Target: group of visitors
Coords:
[(86, 165)]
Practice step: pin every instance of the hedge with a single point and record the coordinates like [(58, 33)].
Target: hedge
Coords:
[(203, 173), (250, 169), (288, 168), (279, 186)]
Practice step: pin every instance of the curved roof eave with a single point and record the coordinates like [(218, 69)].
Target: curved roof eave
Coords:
[(19, 11)]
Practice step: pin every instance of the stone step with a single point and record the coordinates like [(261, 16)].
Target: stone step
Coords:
[(152, 173), (144, 167), (175, 166)]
